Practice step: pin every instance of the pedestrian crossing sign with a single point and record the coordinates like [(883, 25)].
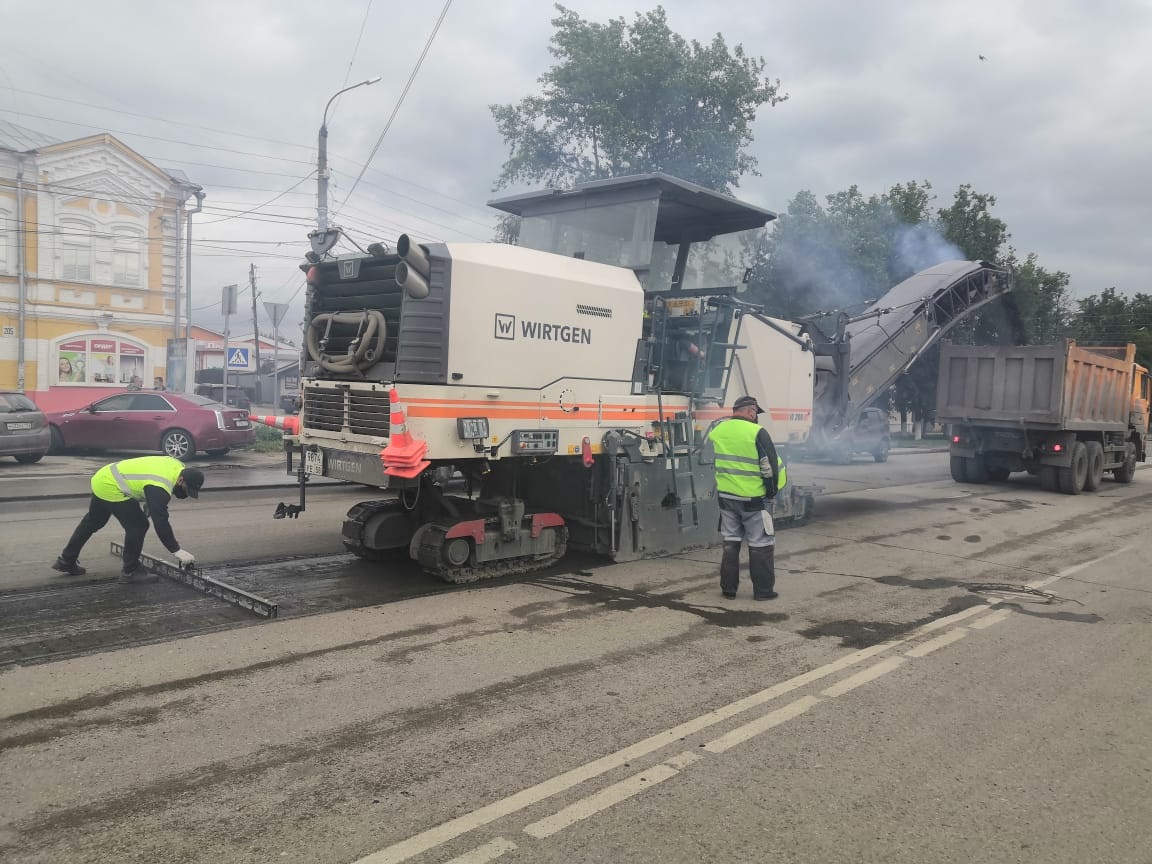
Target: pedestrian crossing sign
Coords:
[(237, 358)]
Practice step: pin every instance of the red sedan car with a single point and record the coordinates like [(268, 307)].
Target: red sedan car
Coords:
[(176, 424)]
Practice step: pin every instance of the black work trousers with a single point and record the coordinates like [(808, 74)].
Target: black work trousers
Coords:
[(130, 516)]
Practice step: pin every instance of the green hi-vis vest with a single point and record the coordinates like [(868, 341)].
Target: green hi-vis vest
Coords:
[(738, 460), (127, 479)]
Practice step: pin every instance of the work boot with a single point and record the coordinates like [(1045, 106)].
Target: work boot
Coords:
[(730, 569), (137, 575), (762, 569), (68, 568)]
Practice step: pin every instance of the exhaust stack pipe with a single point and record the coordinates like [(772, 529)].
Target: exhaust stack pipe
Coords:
[(414, 254), (411, 281)]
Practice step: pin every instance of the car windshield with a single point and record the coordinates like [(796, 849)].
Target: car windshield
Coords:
[(12, 402)]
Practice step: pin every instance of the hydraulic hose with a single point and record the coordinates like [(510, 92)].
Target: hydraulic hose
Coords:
[(366, 348)]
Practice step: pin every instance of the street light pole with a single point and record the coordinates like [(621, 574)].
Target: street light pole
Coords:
[(322, 159)]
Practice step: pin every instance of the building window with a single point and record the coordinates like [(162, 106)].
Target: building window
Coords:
[(75, 251), (100, 360), (126, 254)]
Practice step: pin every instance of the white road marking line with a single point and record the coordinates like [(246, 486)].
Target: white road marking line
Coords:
[(869, 674), (602, 800), (453, 828), (762, 724), (988, 620), (941, 623), (1064, 574), (429, 839), (484, 854), (926, 648)]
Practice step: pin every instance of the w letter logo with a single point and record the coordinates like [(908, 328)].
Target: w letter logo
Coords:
[(505, 326)]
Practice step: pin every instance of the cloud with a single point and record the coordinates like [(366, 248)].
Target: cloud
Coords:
[(1052, 122)]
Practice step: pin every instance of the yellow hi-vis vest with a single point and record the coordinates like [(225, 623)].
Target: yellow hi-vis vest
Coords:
[(738, 460), (127, 479)]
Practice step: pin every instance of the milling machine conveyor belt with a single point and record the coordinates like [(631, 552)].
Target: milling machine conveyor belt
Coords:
[(193, 578), (891, 333)]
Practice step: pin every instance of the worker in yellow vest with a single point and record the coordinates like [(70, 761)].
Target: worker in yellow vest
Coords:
[(132, 490), (749, 472)]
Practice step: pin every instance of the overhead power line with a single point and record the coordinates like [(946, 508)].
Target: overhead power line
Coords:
[(103, 129), (403, 93)]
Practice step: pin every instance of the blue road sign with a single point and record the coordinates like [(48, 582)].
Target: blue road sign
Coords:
[(237, 358)]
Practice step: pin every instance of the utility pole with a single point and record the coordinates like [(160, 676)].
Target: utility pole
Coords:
[(255, 331)]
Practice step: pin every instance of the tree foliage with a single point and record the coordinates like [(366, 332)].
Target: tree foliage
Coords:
[(627, 98), (1109, 318)]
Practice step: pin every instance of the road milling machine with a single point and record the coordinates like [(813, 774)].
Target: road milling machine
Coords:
[(520, 400)]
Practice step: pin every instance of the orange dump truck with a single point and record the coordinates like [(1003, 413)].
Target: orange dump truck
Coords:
[(1065, 412)]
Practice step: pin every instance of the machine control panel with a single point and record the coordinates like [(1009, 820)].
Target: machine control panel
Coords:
[(535, 442)]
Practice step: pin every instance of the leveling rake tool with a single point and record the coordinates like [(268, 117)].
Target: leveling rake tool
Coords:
[(193, 578)]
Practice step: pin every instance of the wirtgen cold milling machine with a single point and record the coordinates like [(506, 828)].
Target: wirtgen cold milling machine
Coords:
[(518, 400)]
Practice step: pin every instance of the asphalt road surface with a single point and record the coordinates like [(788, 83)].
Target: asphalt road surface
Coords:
[(951, 673)]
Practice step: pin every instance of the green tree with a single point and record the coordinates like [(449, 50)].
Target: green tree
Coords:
[(1041, 298), (970, 225), (632, 98), (1110, 318)]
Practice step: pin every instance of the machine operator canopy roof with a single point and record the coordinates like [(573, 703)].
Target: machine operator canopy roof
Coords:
[(685, 211), (674, 235)]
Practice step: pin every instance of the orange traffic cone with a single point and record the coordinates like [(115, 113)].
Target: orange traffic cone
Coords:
[(290, 424), (404, 455)]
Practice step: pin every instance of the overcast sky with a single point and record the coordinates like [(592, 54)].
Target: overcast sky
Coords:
[(1055, 122)]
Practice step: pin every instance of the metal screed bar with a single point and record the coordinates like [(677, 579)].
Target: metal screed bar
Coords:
[(193, 579)]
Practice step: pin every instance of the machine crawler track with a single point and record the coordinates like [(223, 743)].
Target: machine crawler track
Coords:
[(356, 521), (432, 559)]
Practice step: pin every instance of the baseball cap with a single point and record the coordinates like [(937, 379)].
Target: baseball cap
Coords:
[(745, 401), (193, 480)]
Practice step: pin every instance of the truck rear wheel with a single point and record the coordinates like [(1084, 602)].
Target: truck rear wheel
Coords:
[(1127, 469), (959, 467), (1095, 466), (1072, 478)]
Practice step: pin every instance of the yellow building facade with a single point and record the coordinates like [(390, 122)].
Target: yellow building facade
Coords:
[(89, 266)]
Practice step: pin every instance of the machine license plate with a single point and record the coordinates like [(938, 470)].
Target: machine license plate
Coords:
[(313, 462), (12, 427), (241, 424)]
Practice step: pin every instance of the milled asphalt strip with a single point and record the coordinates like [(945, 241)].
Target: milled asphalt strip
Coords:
[(433, 837)]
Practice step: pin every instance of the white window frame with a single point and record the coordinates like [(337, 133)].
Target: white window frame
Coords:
[(76, 240), (127, 257)]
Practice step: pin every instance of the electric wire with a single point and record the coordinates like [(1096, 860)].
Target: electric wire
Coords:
[(403, 93), (355, 50)]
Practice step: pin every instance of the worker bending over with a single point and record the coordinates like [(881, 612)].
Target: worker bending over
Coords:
[(132, 490)]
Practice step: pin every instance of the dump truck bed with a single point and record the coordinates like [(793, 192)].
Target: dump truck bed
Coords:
[(1061, 386)]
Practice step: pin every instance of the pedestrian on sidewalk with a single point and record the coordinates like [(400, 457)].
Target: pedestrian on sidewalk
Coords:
[(132, 490), (748, 474)]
